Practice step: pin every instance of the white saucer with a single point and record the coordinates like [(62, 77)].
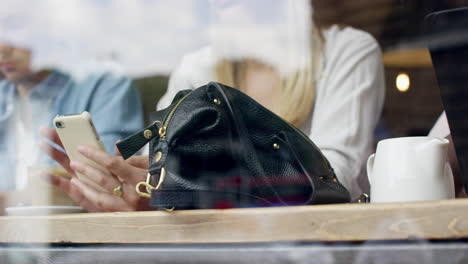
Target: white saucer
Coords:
[(43, 210)]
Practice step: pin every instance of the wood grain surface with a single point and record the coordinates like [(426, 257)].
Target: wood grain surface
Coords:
[(350, 222)]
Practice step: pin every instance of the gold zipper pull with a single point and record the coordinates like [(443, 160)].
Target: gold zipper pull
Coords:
[(162, 129)]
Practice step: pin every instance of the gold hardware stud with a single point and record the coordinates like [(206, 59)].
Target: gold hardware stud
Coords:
[(147, 133), (157, 156), (364, 198), (276, 146), (217, 101), (169, 210)]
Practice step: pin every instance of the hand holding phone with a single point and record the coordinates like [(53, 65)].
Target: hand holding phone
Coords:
[(75, 130)]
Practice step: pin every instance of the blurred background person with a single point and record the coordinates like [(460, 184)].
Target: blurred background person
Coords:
[(29, 99)]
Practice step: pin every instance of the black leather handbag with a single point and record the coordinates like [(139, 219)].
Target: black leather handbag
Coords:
[(215, 147)]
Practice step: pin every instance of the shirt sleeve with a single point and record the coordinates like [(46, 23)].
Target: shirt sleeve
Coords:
[(441, 128), (348, 107), (116, 109)]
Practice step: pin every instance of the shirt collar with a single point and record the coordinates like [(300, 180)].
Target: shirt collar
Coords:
[(51, 85), (6, 99)]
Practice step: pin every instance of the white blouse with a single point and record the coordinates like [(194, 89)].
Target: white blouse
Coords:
[(349, 99)]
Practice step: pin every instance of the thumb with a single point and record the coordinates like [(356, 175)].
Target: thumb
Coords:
[(117, 152)]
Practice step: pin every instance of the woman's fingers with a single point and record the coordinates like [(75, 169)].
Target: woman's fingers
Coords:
[(141, 162), (104, 201), (115, 164), (73, 192), (103, 179), (116, 149), (107, 181), (124, 175), (51, 135), (56, 155)]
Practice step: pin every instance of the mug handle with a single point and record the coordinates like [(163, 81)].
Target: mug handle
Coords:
[(370, 166)]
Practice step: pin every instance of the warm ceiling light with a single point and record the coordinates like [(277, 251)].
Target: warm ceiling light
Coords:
[(402, 82)]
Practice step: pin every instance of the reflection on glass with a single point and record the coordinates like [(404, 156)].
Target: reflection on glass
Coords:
[(299, 58)]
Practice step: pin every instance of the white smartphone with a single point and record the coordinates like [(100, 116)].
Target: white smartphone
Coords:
[(76, 130)]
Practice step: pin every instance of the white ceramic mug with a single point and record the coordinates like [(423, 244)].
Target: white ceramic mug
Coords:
[(409, 169)]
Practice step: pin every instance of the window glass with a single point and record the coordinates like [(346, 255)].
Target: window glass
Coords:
[(223, 104)]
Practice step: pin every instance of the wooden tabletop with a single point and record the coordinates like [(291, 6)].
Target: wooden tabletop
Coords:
[(347, 222)]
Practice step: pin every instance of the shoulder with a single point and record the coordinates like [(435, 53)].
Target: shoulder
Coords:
[(196, 67), (96, 86), (339, 38), (105, 76), (194, 70), (349, 50), (202, 57), (101, 80)]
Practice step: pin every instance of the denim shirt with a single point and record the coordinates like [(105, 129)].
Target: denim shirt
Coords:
[(111, 100)]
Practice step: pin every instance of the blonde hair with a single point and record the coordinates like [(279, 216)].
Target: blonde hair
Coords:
[(297, 90)]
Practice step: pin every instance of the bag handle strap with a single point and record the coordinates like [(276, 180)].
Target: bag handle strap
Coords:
[(135, 142)]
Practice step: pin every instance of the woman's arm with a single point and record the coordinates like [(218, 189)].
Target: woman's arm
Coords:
[(349, 104), (441, 129)]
